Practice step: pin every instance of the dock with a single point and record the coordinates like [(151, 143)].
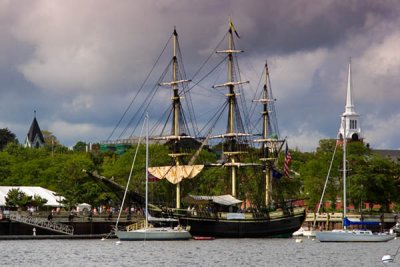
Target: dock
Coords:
[(63, 237), (333, 220), (22, 225)]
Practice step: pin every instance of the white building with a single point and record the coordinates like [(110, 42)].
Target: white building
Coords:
[(53, 200), (350, 119)]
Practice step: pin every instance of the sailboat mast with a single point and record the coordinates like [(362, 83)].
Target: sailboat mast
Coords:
[(147, 172), (344, 173), (265, 150)]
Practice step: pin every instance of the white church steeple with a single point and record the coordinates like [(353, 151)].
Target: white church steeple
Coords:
[(350, 119)]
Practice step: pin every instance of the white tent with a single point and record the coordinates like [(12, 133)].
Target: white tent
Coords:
[(51, 196), (84, 206)]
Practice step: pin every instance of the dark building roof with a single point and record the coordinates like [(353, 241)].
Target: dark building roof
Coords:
[(388, 153), (35, 131)]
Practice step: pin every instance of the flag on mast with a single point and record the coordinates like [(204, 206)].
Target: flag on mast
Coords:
[(233, 28), (288, 160)]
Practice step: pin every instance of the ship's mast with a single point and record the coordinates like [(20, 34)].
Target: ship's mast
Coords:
[(231, 135), (269, 141), (176, 102), (232, 101), (265, 150), (176, 111)]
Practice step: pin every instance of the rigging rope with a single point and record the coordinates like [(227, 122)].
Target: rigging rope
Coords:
[(326, 182), (130, 176), (208, 58), (254, 104), (140, 89), (146, 103), (242, 95)]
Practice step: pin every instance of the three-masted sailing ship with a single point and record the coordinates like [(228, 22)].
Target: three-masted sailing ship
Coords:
[(221, 216)]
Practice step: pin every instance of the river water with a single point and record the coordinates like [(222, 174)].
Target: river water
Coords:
[(218, 252)]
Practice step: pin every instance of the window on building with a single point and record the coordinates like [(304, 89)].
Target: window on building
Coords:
[(353, 124)]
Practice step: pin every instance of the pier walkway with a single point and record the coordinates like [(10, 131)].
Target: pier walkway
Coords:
[(43, 223), (330, 221)]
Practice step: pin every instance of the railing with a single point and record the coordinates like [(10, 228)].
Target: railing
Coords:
[(258, 215), (135, 226), (45, 224)]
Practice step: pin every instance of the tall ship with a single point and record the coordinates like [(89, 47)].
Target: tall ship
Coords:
[(242, 155)]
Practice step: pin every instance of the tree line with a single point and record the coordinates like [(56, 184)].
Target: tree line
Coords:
[(370, 179)]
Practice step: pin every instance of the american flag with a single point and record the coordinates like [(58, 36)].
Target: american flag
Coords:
[(288, 160)]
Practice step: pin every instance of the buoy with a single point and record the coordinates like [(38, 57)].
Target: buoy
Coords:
[(387, 258), (118, 243), (102, 239), (299, 240)]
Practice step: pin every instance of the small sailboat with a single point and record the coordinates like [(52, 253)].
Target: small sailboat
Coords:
[(349, 235), (144, 230)]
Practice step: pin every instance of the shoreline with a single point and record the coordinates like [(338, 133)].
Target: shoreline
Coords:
[(42, 237)]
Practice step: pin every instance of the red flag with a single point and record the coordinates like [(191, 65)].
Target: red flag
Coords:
[(288, 160)]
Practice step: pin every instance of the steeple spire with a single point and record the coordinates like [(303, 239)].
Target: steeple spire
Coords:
[(349, 99), (34, 138), (350, 125)]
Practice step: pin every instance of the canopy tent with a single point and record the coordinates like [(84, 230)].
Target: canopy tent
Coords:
[(84, 206), (53, 199), (226, 200)]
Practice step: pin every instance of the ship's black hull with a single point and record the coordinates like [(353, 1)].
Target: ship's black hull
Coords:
[(280, 226)]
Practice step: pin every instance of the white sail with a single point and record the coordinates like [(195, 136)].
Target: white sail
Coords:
[(175, 174)]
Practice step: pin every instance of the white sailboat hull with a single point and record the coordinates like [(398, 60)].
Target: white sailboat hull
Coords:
[(352, 236), (303, 232), (156, 233)]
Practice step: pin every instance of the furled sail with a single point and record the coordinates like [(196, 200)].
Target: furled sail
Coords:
[(175, 174)]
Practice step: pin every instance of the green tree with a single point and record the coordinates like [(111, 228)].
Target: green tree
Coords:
[(374, 179), (38, 201), (73, 183), (51, 143), (5, 166), (79, 146), (370, 178), (6, 136), (315, 170), (17, 199)]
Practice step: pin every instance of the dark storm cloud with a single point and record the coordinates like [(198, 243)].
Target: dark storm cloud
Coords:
[(79, 63), (291, 26)]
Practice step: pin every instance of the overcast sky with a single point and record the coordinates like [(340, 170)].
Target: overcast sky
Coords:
[(79, 63)]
